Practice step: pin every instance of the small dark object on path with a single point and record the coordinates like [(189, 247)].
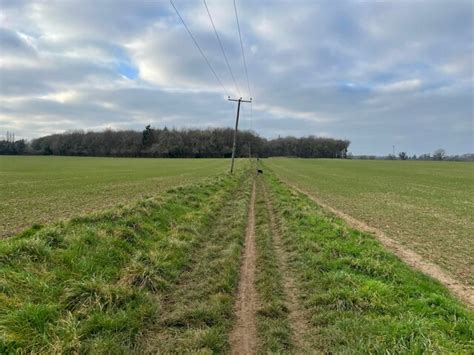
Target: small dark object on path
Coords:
[(259, 171)]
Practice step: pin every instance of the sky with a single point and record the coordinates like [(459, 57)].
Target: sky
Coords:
[(378, 73)]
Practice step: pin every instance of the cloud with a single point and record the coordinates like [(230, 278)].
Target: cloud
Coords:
[(400, 86), (378, 73)]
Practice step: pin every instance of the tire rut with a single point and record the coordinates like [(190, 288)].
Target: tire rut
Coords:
[(243, 338), (296, 316)]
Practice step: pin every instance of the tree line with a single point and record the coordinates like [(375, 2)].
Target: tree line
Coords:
[(174, 143), (438, 155)]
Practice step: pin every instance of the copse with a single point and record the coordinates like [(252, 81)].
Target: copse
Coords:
[(183, 143)]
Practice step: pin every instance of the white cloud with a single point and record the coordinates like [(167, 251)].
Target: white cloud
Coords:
[(93, 64), (284, 113), (62, 96), (400, 86)]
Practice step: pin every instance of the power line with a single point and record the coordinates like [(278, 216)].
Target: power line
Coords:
[(242, 48), (222, 47), (245, 66), (199, 48)]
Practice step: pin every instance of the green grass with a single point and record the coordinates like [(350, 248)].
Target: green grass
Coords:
[(424, 205), (95, 283), (43, 189), (198, 314), (272, 315), (360, 298)]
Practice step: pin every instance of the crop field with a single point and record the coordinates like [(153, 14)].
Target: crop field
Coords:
[(427, 206), (41, 189), (200, 261)]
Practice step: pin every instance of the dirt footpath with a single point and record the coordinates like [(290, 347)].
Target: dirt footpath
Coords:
[(243, 339)]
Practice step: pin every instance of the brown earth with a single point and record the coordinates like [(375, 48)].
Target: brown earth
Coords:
[(243, 339)]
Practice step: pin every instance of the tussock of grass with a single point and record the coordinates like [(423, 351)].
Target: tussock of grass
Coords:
[(92, 284), (360, 297), (144, 274)]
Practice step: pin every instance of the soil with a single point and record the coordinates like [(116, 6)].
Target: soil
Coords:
[(243, 339)]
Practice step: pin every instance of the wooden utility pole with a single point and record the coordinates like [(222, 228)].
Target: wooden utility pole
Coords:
[(239, 100)]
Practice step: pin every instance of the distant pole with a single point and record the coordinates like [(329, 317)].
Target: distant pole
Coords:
[(239, 100), (393, 149)]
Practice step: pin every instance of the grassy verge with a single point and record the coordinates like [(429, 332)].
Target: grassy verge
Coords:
[(359, 297), (426, 206), (198, 314), (94, 283), (272, 316)]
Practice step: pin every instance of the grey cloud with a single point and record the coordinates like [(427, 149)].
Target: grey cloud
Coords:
[(377, 73), (51, 75), (12, 44)]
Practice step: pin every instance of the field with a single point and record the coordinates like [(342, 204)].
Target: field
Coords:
[(220, 264), (44, 189), (428, 206)]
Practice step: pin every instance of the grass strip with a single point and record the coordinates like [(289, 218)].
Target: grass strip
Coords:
[(360, 297), (93, 283), (272, 316), (198, 314)]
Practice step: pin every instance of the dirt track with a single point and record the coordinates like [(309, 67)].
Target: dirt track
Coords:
[(243, 339), (462, 291)]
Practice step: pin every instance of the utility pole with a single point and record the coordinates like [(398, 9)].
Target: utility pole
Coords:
[(239, 100)]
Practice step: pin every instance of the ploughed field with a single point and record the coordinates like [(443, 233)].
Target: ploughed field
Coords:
[(42, 189), (427, 206), (207, 262)]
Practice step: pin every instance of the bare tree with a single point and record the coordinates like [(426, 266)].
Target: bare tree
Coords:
[(439, 154)]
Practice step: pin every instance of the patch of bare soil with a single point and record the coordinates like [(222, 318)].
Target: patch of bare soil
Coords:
[(243, 339), (296, 316), (415, 260)]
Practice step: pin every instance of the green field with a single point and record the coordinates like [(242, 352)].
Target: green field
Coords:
[(163, 273), (427, 206), (42, 189)]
